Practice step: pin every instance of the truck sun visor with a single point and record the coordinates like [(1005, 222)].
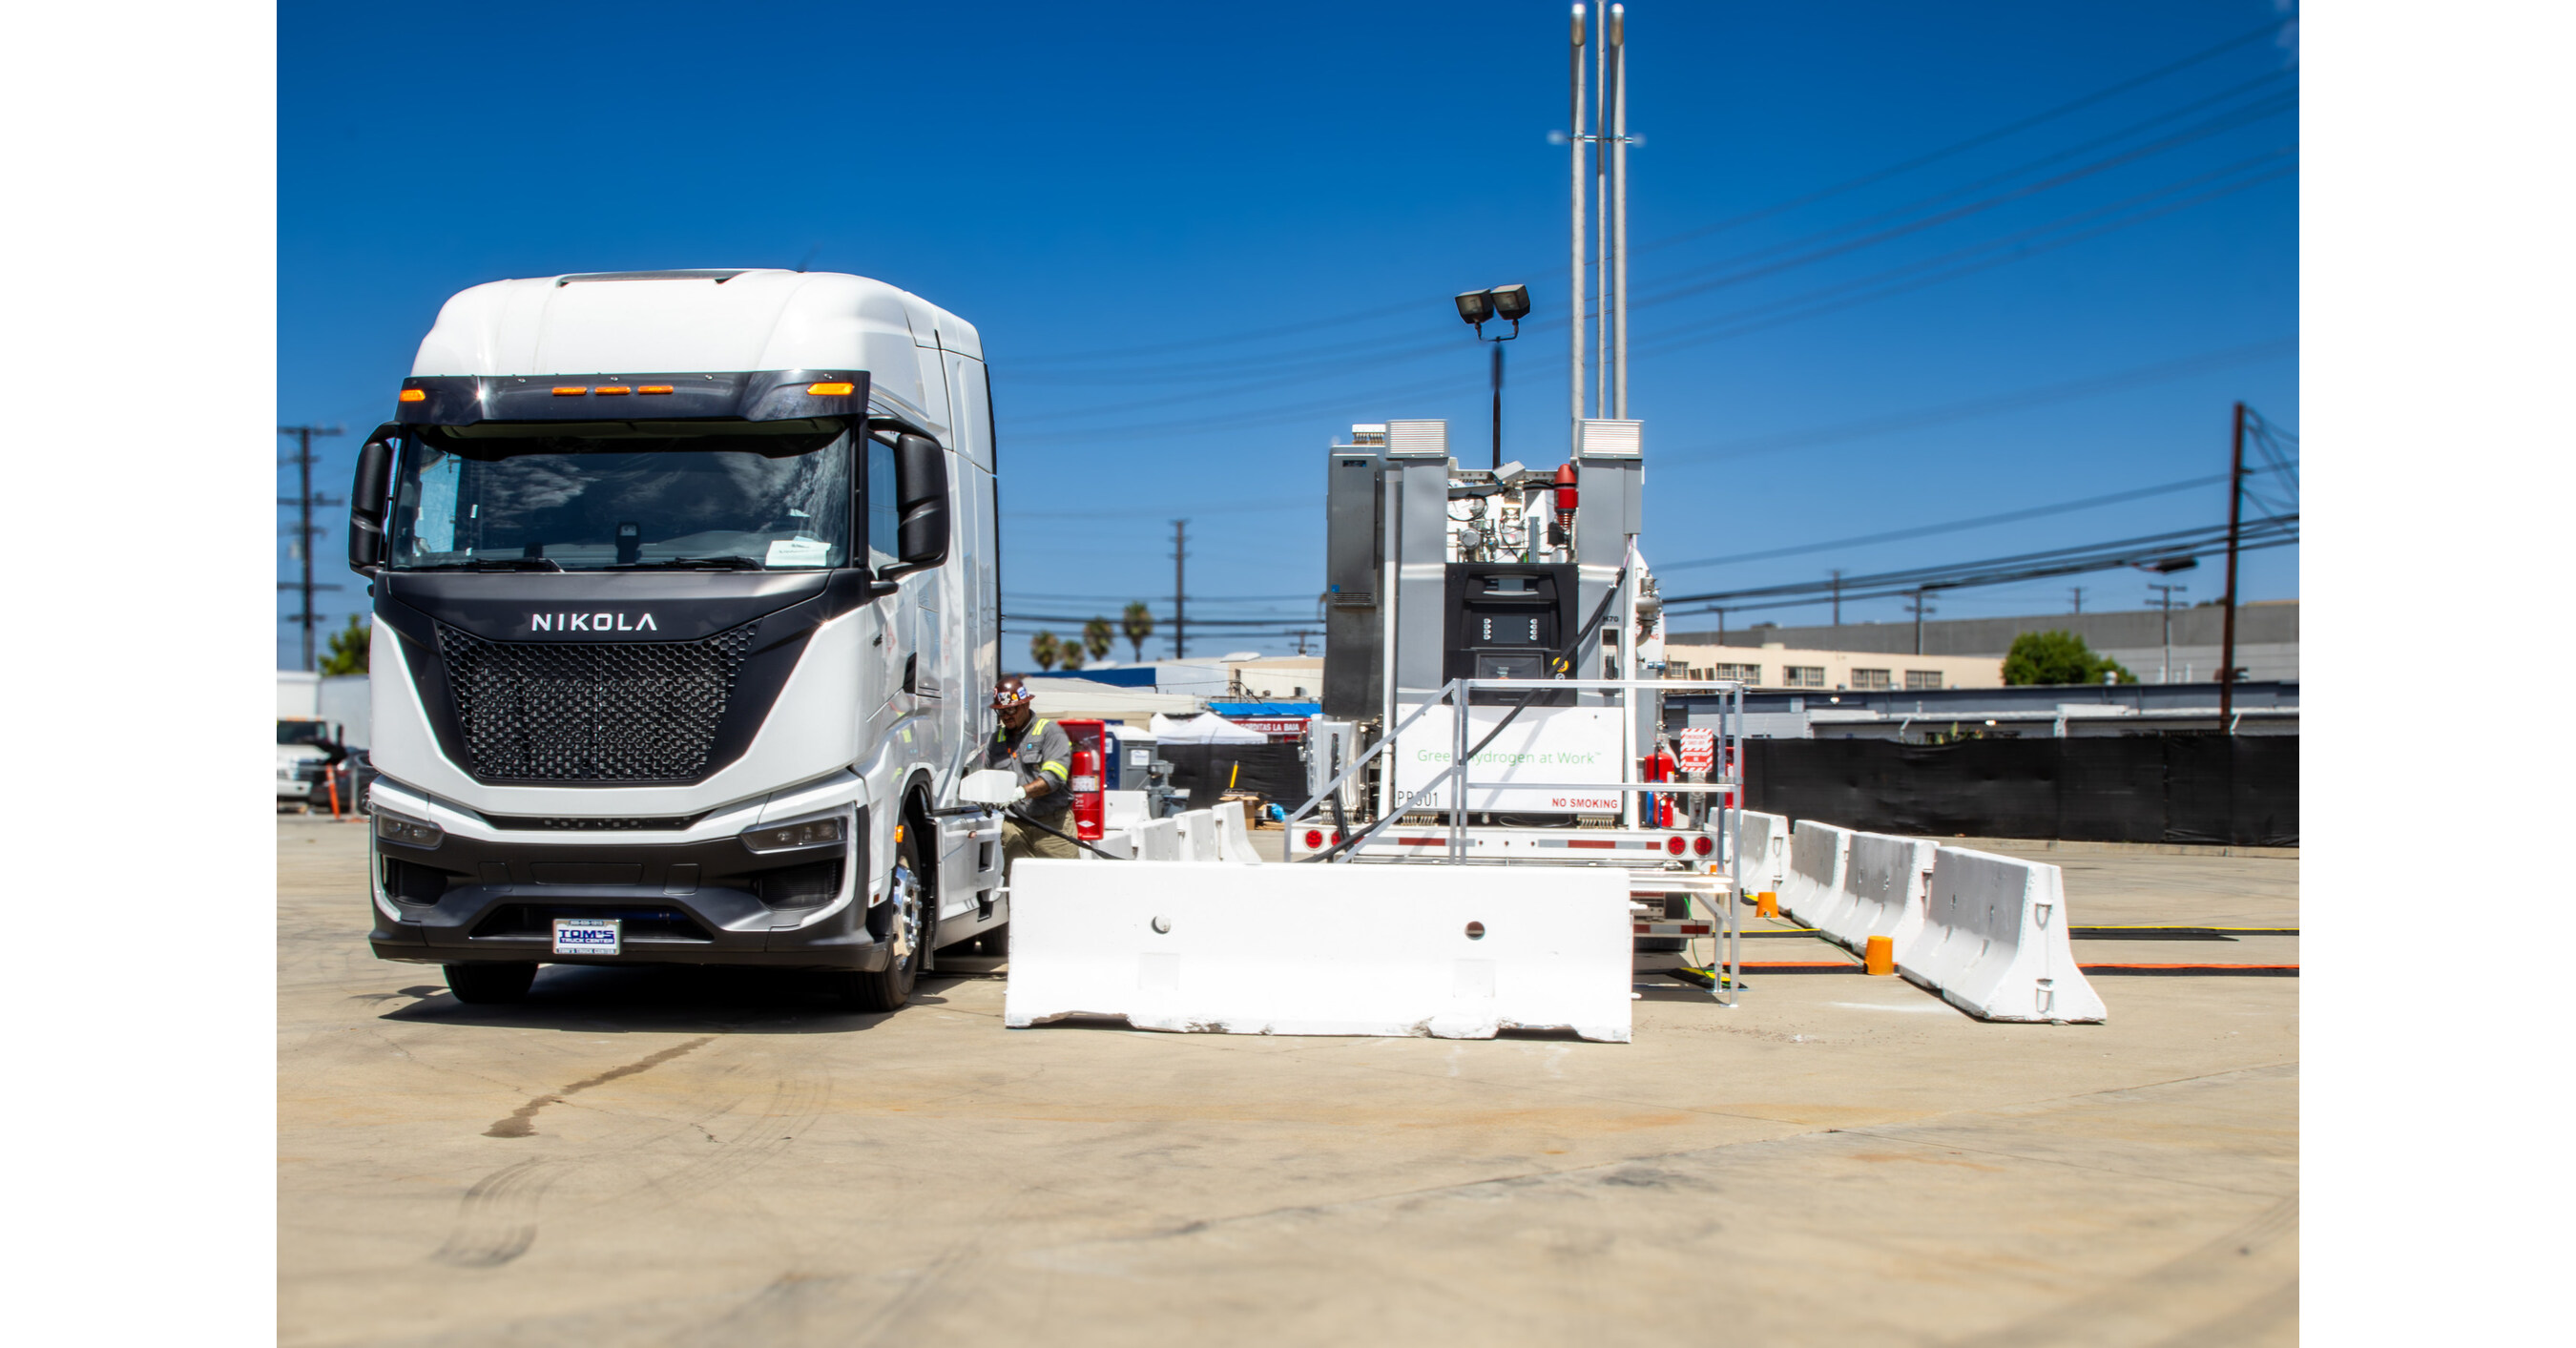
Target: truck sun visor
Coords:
[(754, 395)]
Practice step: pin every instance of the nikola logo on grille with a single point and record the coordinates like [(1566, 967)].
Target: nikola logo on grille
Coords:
[(591, 622)]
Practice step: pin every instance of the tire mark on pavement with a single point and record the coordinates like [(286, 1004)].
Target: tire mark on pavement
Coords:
[(796, 1102), (496, 1221), (522, 1121)]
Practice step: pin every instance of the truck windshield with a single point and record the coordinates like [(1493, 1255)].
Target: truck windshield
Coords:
[(599, 497)]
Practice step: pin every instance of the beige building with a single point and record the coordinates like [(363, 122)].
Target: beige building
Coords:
[(1773, 665)]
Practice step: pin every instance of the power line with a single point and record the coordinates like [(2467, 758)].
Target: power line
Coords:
[(1814, 303), (1951, 526), (2224, 122), (1983, 138), (2069, 390), (2022, 254), (2171, 546), (1037, 365)]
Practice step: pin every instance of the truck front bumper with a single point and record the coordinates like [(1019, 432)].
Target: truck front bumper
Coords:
[(713, 902)]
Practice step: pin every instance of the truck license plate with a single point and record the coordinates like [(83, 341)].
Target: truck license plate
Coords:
[(586, 935)]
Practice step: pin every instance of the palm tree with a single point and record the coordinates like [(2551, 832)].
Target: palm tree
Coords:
[(1043, 649), (1097, 637), (1137, 623), (1068, 654)]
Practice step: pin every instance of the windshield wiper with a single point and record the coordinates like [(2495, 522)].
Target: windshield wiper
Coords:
[(693, 564), (494, 564)]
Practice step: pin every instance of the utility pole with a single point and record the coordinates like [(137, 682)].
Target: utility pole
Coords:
[(2167, 593), (2079, 599), (1917, 599), (1180, 589), (2235, 517), (1837, 574), (1498, 405), (304, 501)]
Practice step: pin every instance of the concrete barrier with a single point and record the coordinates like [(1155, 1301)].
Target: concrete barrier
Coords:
[(1234, 840), (1766, 850), (1199, 836), (1994, 942), (1158, 840), (1442, 952), (1811, 887), (1886, 881)]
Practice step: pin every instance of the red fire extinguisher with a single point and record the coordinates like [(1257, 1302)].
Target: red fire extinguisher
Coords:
[(1661, 766), (1089, 804)]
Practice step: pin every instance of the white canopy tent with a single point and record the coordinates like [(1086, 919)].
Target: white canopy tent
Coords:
[(1204, 728)]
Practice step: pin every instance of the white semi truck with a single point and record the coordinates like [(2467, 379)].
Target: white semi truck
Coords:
[(687, 605)]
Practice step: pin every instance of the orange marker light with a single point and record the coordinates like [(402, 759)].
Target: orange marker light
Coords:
[(652, 388), (830, 390), (605, 389), (571, 390), (415, 395)]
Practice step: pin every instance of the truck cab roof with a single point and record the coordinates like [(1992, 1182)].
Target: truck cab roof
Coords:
[(712, 320)]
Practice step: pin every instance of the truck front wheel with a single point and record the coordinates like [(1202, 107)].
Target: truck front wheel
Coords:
[(490, 982), (912, 915)]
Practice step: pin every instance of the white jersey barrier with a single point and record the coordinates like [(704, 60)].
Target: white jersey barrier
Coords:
[(1443, 952), (1811, 889), (1886, 881), (1216, 834), (1994, 941), (1766, 850)]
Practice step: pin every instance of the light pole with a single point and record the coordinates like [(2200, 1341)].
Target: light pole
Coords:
[(1480, 307)]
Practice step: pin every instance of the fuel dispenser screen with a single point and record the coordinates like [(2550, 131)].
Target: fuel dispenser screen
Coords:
[(1513, 629)]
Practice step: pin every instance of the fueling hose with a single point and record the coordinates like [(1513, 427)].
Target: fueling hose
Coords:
[(1012, 812)]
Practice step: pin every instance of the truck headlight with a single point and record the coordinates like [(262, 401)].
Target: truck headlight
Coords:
[(801, 833), (393, 828)]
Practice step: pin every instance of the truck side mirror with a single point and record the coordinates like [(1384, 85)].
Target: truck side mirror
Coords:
[(921, 505), (367, 503)]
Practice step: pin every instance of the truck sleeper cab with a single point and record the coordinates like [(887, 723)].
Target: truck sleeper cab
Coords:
[(686, 591)]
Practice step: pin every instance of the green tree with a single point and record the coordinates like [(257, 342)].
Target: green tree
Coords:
[(2058, 657), (1137, 623), (347, 653), (1044, 649), (1068, 654), (1098, 637)]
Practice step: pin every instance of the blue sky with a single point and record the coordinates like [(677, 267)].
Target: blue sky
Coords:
[(1201, 241)]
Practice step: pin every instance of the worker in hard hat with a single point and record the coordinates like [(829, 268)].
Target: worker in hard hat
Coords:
[(1035, 751)]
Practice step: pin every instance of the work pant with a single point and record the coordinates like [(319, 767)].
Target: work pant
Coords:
[(1019, 840)]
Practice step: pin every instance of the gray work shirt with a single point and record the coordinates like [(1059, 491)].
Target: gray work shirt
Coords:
[(1040, 752)]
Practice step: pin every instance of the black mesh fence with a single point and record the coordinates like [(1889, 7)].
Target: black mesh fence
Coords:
[(1208, 771), (2239, 790)]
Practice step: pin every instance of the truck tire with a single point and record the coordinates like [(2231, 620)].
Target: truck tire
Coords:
[(490, 982), (889, 988)]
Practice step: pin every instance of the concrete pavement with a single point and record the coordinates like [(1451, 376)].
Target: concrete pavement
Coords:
[(655, 1157)]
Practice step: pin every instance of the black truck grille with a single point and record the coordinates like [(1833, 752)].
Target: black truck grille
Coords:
[(535, 711)]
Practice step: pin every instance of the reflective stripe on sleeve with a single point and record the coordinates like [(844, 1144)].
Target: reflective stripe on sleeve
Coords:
[(1052, 766)]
